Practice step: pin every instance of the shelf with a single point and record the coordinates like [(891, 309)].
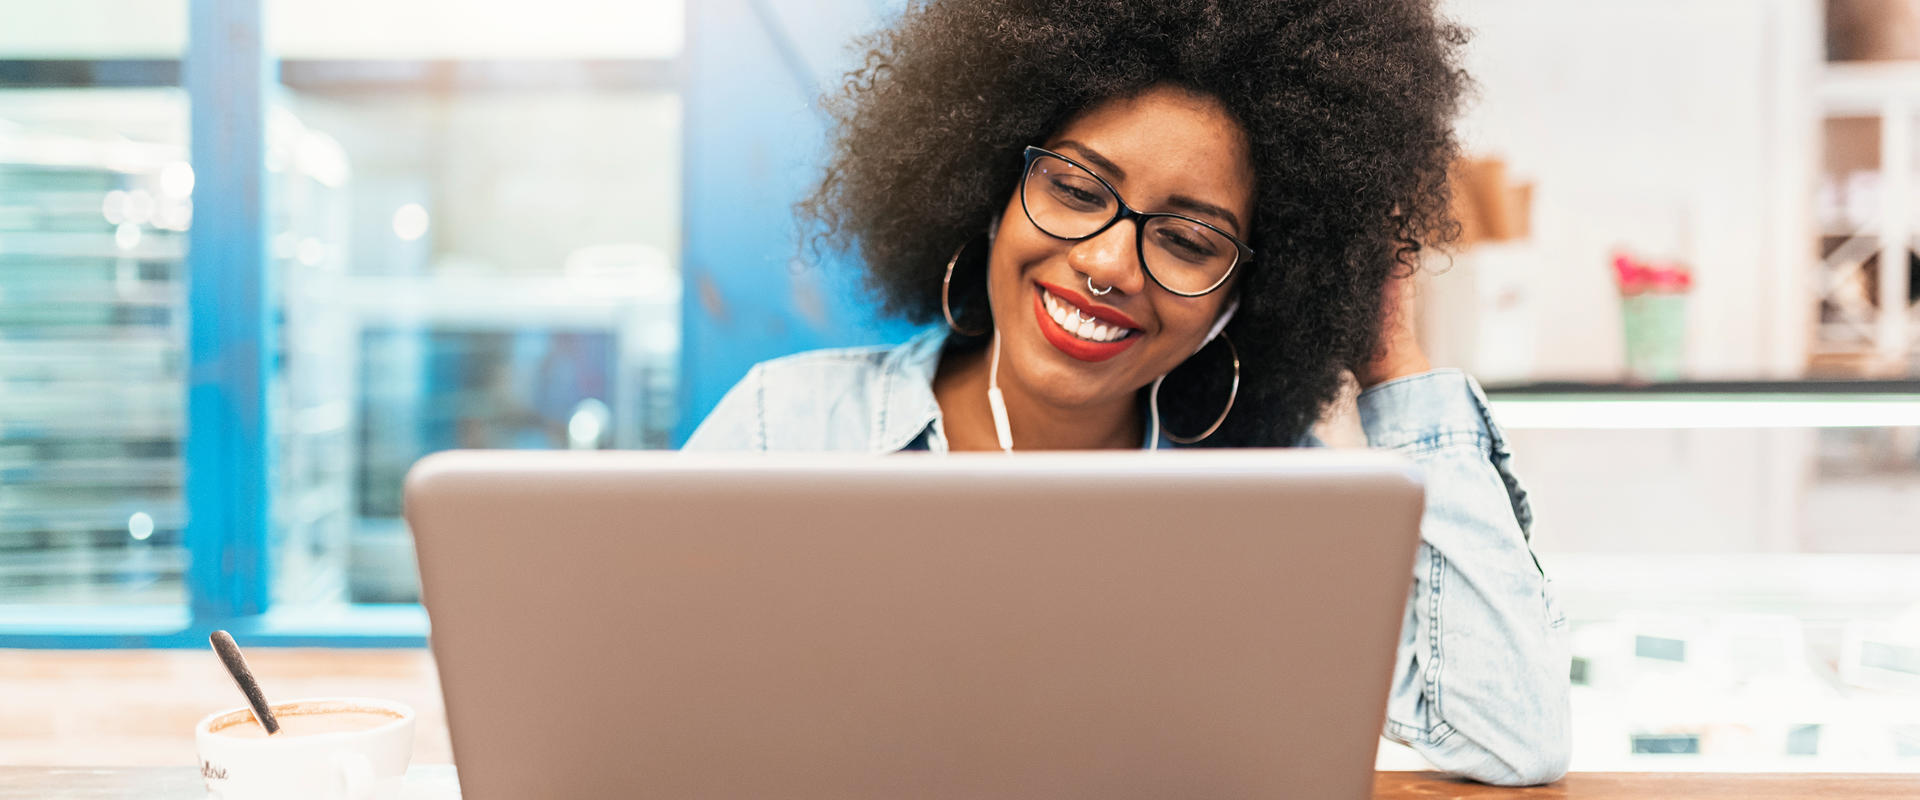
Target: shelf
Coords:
[(163, 473), (94, 566), (1817, 586), (139, 294), (1810, 390), (167, 515), (153, 245), (1622, 411), (1863, 88)]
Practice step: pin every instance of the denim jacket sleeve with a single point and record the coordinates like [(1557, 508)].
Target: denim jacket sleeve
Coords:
[(1481, 686)]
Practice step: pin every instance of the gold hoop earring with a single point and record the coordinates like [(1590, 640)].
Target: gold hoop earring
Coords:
[(946, 292), (1153, 399)]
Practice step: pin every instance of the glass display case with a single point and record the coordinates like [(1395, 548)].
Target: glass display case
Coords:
[(1741, 572)]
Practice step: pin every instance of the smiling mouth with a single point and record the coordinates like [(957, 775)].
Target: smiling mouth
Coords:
[(1079, 330), (1080, 324)]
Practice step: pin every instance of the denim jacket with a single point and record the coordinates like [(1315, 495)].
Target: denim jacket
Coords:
[(1480, 687)]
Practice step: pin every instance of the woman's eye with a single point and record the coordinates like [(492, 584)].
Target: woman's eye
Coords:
[(1186, 246), (1077, 196)]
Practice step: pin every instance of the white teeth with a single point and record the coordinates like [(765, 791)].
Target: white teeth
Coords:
[(1075, 322)]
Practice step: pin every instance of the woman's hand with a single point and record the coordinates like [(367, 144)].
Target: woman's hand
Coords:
[(1399, 353)]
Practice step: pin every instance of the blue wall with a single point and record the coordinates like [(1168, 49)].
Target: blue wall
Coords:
[(754, 137)]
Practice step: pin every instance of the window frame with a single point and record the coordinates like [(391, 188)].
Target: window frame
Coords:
[(229, 78)]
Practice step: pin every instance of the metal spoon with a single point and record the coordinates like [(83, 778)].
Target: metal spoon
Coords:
[(237, 667)]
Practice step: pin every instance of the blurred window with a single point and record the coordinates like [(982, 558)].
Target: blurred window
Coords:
[(498, 267), (94, 204), (474, 229)]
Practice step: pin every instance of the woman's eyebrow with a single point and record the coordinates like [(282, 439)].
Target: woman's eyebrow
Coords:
[(1098, 160), (1201, 207)]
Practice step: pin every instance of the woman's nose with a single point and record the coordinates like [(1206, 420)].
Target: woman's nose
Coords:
[(1111, 259)]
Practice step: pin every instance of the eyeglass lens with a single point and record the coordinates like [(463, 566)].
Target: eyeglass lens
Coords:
[(1066, 201)]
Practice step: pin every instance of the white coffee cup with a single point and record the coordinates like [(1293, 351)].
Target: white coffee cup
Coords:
[(364, 764)]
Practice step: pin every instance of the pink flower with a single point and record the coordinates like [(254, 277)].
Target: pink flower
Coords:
[(1633, 276)]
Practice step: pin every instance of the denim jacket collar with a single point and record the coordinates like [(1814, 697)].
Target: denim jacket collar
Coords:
[(906, 402)]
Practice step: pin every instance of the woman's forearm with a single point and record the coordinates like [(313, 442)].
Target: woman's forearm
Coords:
[(1481, 684)]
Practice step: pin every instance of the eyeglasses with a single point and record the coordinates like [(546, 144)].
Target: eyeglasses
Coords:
[(1183, 255)]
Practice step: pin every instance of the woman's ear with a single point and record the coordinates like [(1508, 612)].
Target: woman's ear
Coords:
[(1226, 315)]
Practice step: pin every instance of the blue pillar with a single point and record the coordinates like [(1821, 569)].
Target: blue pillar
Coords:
[(753, 138), (231, 337)]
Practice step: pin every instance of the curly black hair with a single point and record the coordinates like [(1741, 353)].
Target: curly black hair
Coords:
[(1348, 106)]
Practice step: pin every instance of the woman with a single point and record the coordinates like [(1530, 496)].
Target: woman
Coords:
[(1149, 224)]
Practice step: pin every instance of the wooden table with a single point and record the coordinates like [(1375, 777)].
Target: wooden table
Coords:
[(440, 783), (1664, 786)]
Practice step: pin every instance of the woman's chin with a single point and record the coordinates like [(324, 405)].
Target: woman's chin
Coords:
[(1066, 384)]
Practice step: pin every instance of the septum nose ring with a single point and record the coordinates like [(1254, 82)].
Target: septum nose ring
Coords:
[(1096, 292)]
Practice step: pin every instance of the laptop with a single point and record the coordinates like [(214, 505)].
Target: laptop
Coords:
[(1050, 625)]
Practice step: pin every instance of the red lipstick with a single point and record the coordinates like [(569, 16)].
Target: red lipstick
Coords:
[(1088, 308), (1075, 346)]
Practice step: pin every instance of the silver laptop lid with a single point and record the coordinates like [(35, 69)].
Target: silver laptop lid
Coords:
[(1113, 625)]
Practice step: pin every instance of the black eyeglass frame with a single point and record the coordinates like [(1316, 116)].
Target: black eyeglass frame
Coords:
[(1140, 219)]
